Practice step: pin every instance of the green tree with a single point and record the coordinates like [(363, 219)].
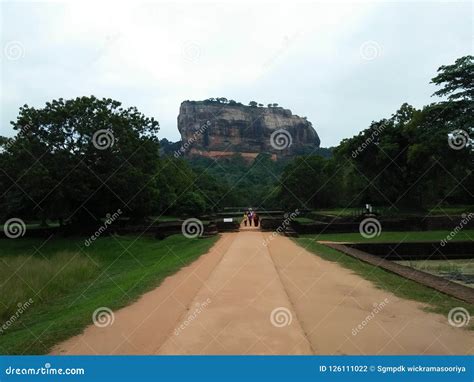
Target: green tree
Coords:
[(80, 159), (309, 182), (457, 79)]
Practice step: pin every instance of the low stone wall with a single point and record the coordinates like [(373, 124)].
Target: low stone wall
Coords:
[(347, 225), (418, 251)]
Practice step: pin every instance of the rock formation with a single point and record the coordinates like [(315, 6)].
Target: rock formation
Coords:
[(216, 129)]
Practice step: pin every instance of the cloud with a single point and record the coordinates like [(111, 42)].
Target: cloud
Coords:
[(303, 55)]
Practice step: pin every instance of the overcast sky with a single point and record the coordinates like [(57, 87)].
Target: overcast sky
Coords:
[(342, 65)]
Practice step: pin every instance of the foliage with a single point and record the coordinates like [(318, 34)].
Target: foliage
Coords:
[(128, 266), (457, 79), (404, 161), (243, 183), (54, 170)]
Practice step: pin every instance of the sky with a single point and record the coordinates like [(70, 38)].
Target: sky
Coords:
[(340, 64)]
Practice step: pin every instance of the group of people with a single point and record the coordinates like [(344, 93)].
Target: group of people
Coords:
[(249, 217)]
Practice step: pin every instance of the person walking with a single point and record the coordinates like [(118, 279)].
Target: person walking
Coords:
[(249, 216), (245, 219), (256, 219)]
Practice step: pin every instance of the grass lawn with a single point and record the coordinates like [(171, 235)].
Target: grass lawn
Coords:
[(67, 282), (303, 220), (443, 210), (401, 287), (466, 234), (164, 218), (447, 210)]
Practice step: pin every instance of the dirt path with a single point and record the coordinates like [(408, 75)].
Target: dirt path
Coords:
[(244, 297)]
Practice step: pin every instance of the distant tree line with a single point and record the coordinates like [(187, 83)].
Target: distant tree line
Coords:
[(413, 159), (76, 160), (231, 102)]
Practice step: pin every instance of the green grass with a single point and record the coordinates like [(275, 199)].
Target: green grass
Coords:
[(164, 218), (404, 236), (337, 211), (437, 302), (111, 272), (438, 210), (43, 277), (304, 220), (447, 210)]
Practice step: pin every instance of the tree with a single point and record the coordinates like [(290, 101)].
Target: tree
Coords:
[(80, 159), (253, 103), (457, 79), (309, 182)]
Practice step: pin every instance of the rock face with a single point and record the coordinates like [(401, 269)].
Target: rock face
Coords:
[(215, 129)]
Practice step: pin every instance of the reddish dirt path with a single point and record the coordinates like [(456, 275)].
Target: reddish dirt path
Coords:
[(244, 297)]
